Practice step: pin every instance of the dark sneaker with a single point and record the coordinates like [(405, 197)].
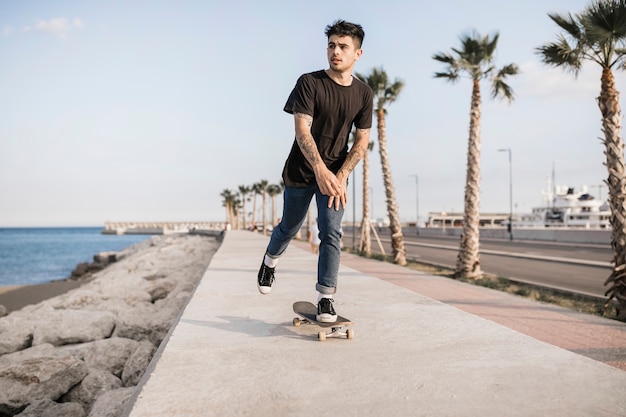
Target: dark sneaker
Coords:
[(325, 311), (265, 279)]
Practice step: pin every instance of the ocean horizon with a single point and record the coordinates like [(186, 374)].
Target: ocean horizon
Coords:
[(35, 255)]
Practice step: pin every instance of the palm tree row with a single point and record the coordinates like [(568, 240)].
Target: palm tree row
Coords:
[(235, 204)]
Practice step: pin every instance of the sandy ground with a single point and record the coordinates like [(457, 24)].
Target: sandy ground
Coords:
[(16, 297)]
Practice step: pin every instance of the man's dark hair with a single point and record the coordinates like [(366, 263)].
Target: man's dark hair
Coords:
[(343, 28)]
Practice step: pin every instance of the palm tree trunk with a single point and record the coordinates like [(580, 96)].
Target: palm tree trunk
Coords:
[(253, 220), (264, 199), (243, 200), (273, 210), (234, 218), (468, 260), (612, 128), (228, 214), (397, 239), (366, 240)]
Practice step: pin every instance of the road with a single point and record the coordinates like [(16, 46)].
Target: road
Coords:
[(576, 268)]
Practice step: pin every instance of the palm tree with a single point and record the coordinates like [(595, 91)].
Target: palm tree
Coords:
[(273, 190), (231, 203), (598, 34), (366, 239), (244, 190), (386, 93), (256, 190), (263, 191), (474, 58)]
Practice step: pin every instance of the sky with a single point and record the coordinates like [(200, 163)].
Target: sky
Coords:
[(148, 110)]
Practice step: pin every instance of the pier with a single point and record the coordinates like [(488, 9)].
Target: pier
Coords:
[(159, 228)]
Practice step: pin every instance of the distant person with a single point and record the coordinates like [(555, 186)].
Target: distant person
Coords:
[(314, 238), (325, 105)]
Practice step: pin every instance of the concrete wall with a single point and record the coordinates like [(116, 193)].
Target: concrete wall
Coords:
[(599, 236)]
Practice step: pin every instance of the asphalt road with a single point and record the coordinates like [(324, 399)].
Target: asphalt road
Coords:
[(576, 268)]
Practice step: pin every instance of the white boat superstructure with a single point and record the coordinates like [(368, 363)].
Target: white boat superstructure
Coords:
[(564, 207)]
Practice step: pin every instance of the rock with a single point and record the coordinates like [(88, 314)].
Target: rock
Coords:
[(3, 311), (35, 379), (96, 383), (31, 353), (112, 403), (161, 289), (49, 408), (108, 354), (73, 342), (137, 363), (62, 327), (105, 258), (80, 270), (14, 335), (144, 323), (80, 298)]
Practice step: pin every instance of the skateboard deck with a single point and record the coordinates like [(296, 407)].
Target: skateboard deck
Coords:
[(308, 311)]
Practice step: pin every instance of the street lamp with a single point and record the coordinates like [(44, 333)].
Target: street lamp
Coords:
[(599, 190), (417, 203), (510, 192)]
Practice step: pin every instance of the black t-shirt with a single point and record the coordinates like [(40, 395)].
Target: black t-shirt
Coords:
[(335, 109)]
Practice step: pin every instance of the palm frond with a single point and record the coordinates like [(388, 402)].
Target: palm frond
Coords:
[(450, 75), (475, 57), (605, 21), (597, 34), (507, 70), (384, 92), (445, 58), (568, 23), (500, 89), (561, 54)]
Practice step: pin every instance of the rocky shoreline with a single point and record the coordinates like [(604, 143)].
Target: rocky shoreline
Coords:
[(82, 353)]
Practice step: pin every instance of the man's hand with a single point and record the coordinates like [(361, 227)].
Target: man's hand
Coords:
[(334, 186), (331, 185)]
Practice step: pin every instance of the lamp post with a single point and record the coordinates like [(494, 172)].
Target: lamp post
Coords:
[(417, 203), (510, 192), (599, 190)]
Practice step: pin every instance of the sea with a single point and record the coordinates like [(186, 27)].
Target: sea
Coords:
[(44, 254)]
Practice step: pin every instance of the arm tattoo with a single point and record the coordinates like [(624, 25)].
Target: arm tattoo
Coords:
[(306, 141), (356, 152), (308, 148), (306, 117)]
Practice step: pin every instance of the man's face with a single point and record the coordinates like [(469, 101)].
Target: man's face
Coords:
[(342, 53)]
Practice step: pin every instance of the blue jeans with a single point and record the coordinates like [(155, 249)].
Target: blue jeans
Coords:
[(295, 207)]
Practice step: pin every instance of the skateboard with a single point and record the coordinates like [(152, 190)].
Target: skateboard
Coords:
[(308, 311)]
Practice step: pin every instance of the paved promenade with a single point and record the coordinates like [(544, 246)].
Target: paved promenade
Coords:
[(234, 352)]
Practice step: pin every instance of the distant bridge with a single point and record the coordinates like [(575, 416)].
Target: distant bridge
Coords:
[(159, 228)]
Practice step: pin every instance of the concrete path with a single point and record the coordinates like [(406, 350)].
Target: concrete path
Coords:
[(596, 337), (234, 352)]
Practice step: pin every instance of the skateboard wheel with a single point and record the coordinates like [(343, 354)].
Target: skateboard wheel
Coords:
[(296, 322), (350, 333), (321, 336)]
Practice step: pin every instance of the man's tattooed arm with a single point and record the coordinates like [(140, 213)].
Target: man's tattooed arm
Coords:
[(326, 181), (359, 147), (305, 139)]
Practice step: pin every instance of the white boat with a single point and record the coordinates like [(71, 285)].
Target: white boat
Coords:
[(564, 207)]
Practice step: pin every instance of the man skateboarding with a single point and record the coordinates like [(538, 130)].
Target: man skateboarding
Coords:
[(325, 105)]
